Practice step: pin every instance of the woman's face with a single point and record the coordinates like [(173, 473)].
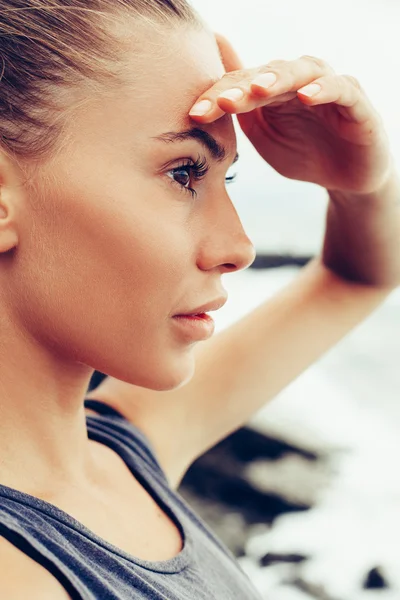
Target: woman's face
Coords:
[(112, 245)]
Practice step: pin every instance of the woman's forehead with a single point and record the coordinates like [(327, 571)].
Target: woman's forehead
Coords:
[(158, 98), (171, 82)]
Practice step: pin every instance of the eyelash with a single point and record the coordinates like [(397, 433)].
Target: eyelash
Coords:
[(198, 169)]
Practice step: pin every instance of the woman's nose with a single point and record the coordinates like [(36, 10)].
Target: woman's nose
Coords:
[(224, 244)]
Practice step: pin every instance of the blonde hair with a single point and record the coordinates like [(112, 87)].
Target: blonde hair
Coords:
[(49, 47)]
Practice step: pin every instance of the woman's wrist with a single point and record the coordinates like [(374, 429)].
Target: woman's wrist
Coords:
[(362, 241)]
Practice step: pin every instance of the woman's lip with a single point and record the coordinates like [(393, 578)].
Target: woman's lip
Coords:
[(195, 327), (195, 316)]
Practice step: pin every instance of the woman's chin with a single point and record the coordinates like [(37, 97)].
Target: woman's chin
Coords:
[(177, 373), (174, 378), (160, 373), (163, 375)]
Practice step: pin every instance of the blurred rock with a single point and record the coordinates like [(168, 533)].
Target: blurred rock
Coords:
[(250, 479), (272, 558), (273, 261), (375, 580)]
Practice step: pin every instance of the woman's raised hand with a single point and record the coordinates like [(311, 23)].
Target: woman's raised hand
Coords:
[(306, 121)]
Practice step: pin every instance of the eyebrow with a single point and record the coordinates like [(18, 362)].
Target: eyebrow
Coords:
[(217, 150)]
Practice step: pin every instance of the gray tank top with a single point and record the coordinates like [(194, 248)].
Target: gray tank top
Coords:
[(90, 568)]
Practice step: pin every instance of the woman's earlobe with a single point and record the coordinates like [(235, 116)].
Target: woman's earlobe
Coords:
[(8, 233)]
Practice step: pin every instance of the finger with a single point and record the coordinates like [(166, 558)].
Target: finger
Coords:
[(206, 109), (343, 90), (241, 91), (229, 56)]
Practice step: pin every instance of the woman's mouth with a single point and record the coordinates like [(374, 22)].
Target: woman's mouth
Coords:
[(196, 327)]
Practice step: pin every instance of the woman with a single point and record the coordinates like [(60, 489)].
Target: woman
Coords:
[(115, 229)]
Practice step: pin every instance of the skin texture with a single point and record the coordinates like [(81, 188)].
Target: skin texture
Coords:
[(98, 253)]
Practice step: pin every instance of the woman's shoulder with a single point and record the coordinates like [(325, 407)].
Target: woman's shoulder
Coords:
[(20, 575)]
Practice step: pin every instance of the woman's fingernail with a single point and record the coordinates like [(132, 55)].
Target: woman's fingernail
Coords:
[(201, 108), (265, 80), (310, 90), (232, 94)]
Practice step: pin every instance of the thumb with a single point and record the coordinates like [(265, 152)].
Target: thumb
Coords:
[(230, 58)]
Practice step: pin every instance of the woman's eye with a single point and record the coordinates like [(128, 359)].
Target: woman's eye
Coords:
[(195, 171), (181, 176)]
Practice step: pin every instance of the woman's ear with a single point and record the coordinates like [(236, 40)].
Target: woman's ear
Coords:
[(230, 58), (11, 191)]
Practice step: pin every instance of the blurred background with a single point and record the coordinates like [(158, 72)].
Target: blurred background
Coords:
[(307, 496)]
